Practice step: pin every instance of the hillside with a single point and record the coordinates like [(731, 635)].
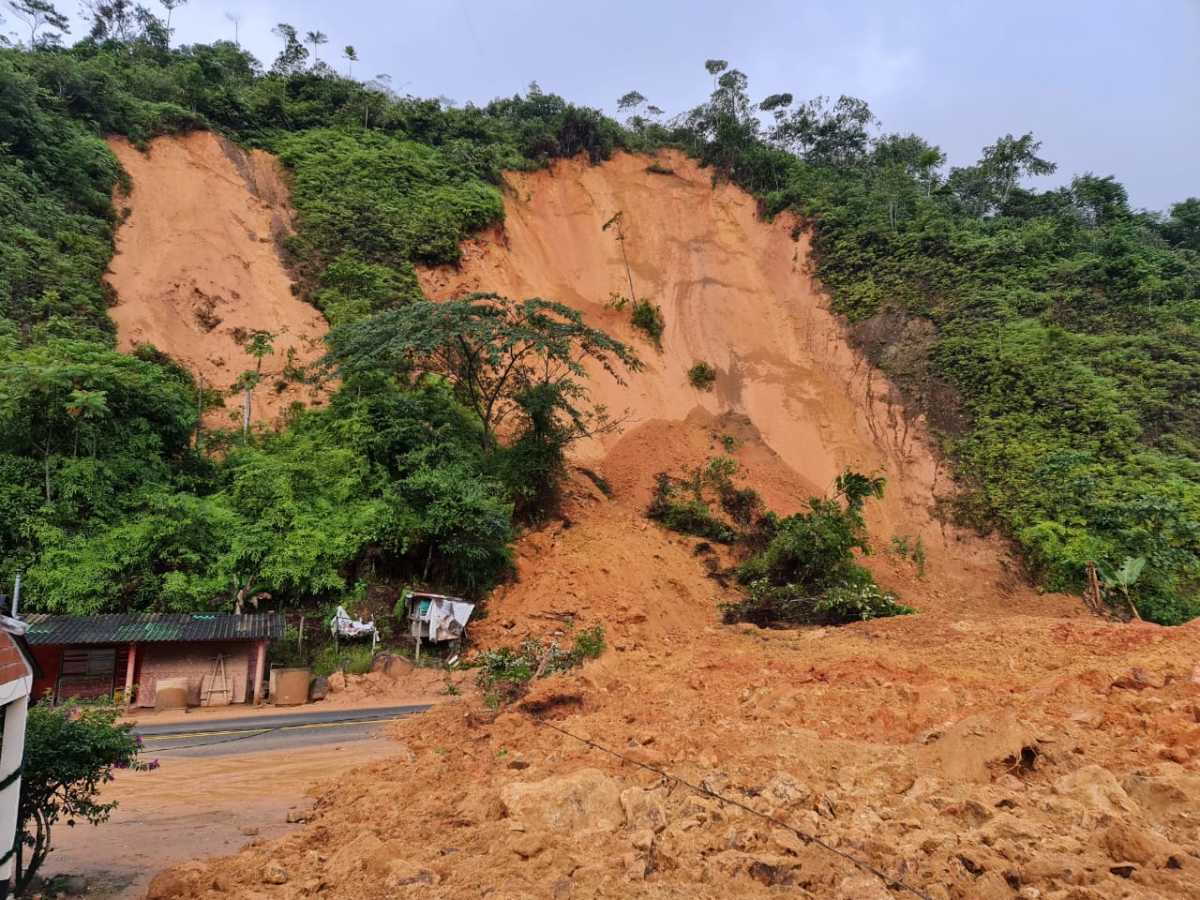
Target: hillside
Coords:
[(197, 267), (997, 744), (736, 292), (631, 386)]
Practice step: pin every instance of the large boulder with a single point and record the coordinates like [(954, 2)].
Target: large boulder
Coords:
[(978, 746), (1097, 790), (584, 802), (644, 809)]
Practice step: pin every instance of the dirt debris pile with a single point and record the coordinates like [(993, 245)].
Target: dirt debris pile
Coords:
[(999, 744), (1078, 792)]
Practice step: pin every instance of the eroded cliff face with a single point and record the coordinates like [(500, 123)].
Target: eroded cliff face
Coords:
[(197, 266), (735, 292)]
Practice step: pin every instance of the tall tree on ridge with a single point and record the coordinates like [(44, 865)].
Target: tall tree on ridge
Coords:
[(316, 38), (36, 14)]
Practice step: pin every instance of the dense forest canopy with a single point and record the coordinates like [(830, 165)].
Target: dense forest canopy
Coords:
[(1051, 335)]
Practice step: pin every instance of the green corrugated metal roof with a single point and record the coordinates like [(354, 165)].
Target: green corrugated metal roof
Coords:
[(140, 628)]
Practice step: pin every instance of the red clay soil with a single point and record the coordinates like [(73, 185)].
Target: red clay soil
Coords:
[(197, 267), (997, 744)]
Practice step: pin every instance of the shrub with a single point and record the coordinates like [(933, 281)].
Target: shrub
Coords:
[(857, 602), (702, 376), (805, 570), (689, 515), (648, 317), (70, 751), (505, 673), (589, 643)]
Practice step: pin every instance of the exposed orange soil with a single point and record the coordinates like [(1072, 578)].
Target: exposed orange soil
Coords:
[(197, 266), (998, 744), (736, 293)]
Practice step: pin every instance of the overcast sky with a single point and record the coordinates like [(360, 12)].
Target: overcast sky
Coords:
[(1109, 87)]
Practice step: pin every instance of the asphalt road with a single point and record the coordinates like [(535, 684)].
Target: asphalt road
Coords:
[(274, 732)]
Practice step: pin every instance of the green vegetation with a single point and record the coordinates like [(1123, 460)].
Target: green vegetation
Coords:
[(110, 501), (687, 504), (70, 753), (805, 570), (353, 659), (1051, 336), (797, 570), (505, 673), (702, 376), (906, 548), (648, 317)]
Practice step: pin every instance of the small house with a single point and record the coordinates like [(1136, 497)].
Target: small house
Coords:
[(210, 659)]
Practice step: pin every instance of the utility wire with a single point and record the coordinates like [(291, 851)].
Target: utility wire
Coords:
[(700, 789), (240, 737)]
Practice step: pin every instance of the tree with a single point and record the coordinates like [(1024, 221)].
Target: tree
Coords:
[(617, 223), (1009, 159), (715, 67), (86, 406), (1100, 201), (826, 134), (70, 751), (492, 350), (1124, 578), (1183, 228), (38, 14), (630, 100), (351, 56), (317, 39), (294, 55), (259, 344), (170, 6), (236, 19)]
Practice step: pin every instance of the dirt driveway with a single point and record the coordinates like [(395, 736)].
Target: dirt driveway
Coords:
[(192, 808)]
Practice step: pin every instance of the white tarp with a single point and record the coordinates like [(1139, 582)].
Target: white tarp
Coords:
[(447, 618), (342, 625)]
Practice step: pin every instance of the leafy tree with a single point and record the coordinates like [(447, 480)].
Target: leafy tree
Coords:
[(1125, 578), (825, 134), (293, 58), (258, 344), (39, 14), (988, 185), (70, 752), (351, 56), (1183, 228), (492, 350), (630, 100)]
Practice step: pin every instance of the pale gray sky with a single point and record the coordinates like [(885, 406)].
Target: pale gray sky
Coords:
[(1109, 87)]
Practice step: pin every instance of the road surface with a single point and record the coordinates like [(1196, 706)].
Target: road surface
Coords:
[(223, 737)]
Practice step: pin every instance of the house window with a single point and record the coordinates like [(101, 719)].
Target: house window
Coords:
[(87, 673)]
